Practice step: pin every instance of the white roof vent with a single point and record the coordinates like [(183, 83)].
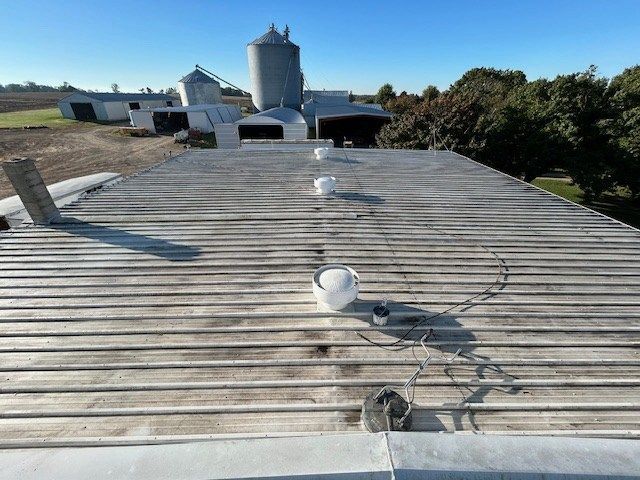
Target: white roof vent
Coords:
[(325, 185), (335, 280), (321, 153), (335, 286)]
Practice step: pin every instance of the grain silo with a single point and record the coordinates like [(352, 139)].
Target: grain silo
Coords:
[(274, 68), (198, 88)]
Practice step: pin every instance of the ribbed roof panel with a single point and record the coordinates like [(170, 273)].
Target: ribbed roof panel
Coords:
[(197, 77), (272, 37)]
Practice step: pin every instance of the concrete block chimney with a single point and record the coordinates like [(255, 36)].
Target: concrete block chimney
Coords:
[(28, 184)]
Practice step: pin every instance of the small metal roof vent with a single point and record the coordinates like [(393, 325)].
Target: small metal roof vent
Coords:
[(335, 286), (325, 185)]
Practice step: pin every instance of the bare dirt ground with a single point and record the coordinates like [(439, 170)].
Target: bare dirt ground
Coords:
[(15, 102), (82, 149), (240, 101)]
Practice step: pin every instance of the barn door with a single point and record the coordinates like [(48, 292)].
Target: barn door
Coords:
[(83, 111)]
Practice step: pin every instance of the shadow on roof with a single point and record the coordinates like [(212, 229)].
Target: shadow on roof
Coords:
[(447, 337), (346, 161), (132, 241), (360, 197), (405, 317)]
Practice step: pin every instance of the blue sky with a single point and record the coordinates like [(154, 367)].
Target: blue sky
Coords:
[(345, 44)]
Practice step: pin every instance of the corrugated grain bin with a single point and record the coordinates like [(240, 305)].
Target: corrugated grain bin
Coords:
[(274, 69), (198, 88)]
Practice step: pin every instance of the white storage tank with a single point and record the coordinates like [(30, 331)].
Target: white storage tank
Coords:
[(198, 88), (274, 69)]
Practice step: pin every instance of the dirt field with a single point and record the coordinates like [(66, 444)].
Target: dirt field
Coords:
[(81, 149), (75, 149), (240, 101), (15, 102)]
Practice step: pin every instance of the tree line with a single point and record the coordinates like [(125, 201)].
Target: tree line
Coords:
[(581, 123), (29, 86)]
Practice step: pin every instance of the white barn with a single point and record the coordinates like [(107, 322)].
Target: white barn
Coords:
[(111, 106)]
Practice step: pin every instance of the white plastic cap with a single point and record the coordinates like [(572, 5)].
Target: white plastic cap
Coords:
[(336, 280), (335, 286), (325, 185), (321, 152)]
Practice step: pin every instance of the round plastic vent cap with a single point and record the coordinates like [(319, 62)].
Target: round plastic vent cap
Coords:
[(336, 280), (335, 286)]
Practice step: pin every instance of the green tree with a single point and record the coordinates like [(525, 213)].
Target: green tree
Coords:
[(66, 87), (579, 117), (489, 83), (402, 103), (623, 94), (430, 93), (576, 122), (385, 94), (115, 88), (520, 139), (452, 116)]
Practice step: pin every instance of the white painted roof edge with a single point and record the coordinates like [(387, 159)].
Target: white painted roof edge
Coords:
[(63, 193), (396, 455)]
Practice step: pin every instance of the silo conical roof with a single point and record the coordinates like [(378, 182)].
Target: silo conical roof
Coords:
[(272, 37), (197, 77)]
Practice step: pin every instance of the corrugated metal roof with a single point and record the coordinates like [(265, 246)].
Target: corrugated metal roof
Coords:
[(179, 306), (326, 96), (122, 97), (197, 76), (274, 115), (272, 37), (376, 106), (325, 111)]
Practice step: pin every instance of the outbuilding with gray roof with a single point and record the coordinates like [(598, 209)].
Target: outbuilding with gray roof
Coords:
[(90, 106)]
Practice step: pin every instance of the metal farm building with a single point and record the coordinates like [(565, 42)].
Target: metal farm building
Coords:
[(110, 106)]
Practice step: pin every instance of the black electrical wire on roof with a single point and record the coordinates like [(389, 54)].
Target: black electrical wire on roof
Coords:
[(496, 281)]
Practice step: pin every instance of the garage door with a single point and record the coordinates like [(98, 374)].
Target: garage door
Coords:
[(83, 111), (261, 132)]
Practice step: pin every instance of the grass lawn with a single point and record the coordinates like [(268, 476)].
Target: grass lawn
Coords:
[(616, 205), (51, 117)]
